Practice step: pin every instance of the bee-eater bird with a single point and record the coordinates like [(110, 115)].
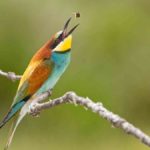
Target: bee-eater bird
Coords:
[(41, 75)]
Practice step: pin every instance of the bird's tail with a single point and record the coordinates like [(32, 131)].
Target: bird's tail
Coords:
[(13, 110), (14, 127)]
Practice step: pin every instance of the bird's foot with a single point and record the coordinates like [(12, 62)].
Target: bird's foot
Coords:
[(33, 110)]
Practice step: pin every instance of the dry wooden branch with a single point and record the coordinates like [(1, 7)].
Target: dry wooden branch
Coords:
[(10, 75), (73, 98), (70, 97)]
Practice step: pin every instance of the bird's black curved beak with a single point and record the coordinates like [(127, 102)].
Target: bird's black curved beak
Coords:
[(65, 33)]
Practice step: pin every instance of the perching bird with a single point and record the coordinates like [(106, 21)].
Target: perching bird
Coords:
[(41, 75)]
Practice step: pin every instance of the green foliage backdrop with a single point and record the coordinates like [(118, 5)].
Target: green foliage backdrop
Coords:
[(110, 63)]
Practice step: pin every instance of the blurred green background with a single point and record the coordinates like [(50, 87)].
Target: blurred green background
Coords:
[(110, 63)]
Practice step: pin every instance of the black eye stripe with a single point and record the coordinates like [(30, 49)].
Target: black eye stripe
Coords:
[(60, 36), (57, 41)]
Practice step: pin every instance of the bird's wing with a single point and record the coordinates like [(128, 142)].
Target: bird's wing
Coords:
[(34, 76), (31, 81)]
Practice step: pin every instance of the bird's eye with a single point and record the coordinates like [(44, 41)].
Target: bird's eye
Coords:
[(60, 37), (57, 41)]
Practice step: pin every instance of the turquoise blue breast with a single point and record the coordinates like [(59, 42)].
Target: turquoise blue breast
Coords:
[(61, 62)]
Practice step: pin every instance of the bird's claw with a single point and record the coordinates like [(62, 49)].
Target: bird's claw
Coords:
[(33, 111)]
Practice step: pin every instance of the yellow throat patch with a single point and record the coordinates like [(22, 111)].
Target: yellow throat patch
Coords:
[(64, 45)]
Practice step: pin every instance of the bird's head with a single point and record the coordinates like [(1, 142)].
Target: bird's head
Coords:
[(62, 40)]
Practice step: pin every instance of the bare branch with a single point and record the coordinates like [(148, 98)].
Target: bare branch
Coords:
[(71, 97), (10, 75), (115, 120)]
